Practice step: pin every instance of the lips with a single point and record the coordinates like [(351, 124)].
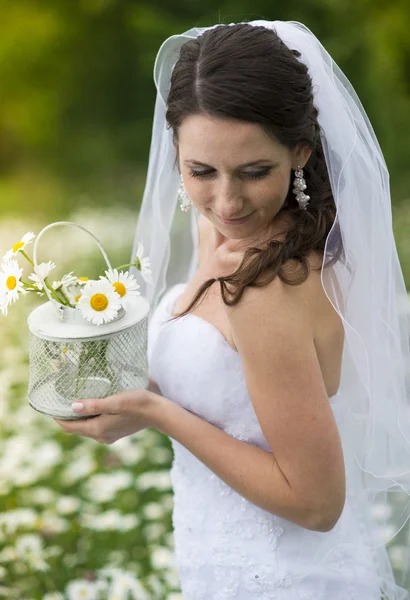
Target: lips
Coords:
[(235, 221)]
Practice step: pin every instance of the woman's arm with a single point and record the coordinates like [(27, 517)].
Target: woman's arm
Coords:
[(249, 470)]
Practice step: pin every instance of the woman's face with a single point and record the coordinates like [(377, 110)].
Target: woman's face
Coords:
[(233, 169)]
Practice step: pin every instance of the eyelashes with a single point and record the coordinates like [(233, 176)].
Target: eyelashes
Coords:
[(260, 174)]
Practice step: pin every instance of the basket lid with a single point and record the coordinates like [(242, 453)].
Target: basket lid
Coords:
[(44, 322)]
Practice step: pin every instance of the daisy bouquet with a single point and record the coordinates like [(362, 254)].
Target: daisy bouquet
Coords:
[(90, 338)]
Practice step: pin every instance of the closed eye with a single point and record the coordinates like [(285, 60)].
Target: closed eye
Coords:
[(257, 174)]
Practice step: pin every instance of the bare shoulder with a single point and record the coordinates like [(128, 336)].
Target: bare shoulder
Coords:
[(277, 299), (289, 319)]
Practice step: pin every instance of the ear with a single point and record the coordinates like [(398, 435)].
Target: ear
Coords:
[(301, 155)]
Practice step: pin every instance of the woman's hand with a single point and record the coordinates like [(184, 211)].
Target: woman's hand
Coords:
[(116, 416)]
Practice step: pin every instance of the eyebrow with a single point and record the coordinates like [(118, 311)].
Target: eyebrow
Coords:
[(249, 164)]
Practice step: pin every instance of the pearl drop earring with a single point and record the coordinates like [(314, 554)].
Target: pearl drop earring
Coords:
[(299, 185)]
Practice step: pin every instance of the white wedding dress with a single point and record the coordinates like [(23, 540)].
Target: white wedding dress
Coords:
[(225, 546)]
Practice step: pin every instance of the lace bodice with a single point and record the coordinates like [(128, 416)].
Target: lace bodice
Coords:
[(225, 546)]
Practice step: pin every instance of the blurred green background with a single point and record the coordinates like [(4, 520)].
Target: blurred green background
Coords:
[(77, 95), (76, 107)]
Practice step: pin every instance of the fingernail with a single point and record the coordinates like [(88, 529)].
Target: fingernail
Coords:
[(77, 406)]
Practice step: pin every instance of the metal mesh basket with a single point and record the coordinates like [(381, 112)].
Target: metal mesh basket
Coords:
[(71, 358)]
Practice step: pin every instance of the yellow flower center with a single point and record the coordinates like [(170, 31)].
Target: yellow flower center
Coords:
[(82, 278), (119, 288), (99, 302), (77, 297), (17, 246), (11, 282)]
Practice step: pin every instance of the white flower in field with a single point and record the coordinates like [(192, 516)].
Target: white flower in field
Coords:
[(111, 520), (46, 455), (67, 505), (171, 578), (21, 245), (81, 589), (154, 530), (156, 584), (143, 264), (29, 545), (10, 284), (153, 510), (12, 520), (123, 583), (41, 495), (43, 270), (105, 521), (53, 596), (99, 302), (127, 451), (159, 479), (162, 558), (37, 563), (8, 554), (80, 467), (124, 284), (102, 487)]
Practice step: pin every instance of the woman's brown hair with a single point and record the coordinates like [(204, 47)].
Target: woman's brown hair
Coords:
[(247, 73)]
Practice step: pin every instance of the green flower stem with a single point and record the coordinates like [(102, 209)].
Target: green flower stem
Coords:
[(55, 293), (129, 265), (28, 258), (63, 295), (61, 298), (30, 287), (134, 264)]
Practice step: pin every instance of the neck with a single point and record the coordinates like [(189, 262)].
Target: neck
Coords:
[(276, 230)]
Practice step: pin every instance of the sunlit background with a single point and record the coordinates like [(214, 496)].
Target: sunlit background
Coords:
[(79, 519)]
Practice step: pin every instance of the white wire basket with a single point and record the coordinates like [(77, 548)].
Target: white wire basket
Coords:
[(71, 358)]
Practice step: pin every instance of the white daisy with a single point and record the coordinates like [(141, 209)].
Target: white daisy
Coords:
[(10, 284), (81, 588), (69, 279), (21, 245), (143, 264), (65, 282), (99, 302), (74, 293), (43, 270), (82, 280), (124, 284)]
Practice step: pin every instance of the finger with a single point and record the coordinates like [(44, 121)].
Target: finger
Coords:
[(97, 406), (84, 427)]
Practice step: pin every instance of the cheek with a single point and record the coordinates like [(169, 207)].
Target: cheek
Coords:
[(199, 190), (272, 192), (280, 186)]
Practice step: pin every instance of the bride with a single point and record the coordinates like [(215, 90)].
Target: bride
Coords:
[(276, 339)]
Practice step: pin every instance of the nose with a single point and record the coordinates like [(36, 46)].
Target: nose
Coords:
[(228, 198)]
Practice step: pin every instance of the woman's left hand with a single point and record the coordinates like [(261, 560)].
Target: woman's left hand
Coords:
[(114, 417)]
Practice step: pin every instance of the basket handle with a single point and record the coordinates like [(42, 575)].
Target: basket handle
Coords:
[(56, 306)]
